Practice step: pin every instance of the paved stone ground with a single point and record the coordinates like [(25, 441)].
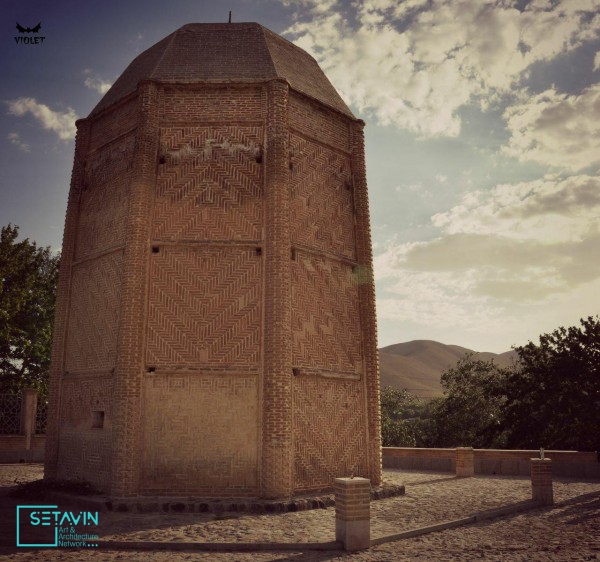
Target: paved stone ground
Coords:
[(568, 531)]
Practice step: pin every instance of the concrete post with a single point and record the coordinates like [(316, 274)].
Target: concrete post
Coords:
[(353, 512), (28, 415), (465, 462), (541, 481)]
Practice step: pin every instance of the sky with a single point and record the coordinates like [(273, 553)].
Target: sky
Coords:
[(482, 141)]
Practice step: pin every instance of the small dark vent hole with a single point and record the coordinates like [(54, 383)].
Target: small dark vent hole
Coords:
[(259, 251), (97, 419), (291, 166), (151, 369), (258, 156), (162, 160), (295, 371), (348, 185), (293, 254), (155, 249)]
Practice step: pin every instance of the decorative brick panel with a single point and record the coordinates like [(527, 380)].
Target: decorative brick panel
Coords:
[(214, 102), (200, 434), (120, 120), (313, 120), (209, 184), (94, 315), (104, 195), (329, 431), (204, 307), (325, 330), (321, 210)]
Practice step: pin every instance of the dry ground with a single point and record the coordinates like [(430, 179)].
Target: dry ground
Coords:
[(570, 530)]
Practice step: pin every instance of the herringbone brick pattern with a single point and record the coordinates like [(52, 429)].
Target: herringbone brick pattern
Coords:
[(94, 314), (200, 433), (329, 431), (103, 203), (321, 198), (325, 322), (210, 184), (204, 307)]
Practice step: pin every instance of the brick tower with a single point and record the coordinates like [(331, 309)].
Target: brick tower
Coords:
[(215, 328)]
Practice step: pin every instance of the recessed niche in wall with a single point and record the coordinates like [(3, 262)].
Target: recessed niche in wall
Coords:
[(97, 419)]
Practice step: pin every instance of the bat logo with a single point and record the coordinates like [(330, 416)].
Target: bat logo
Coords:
[(35, 29)]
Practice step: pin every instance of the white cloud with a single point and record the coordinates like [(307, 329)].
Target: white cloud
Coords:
[(597, 61), (548, 210), (441, 178), (414, 64), (524, 246), (94, 83), (15, 139), (63, 124), (557, 130)]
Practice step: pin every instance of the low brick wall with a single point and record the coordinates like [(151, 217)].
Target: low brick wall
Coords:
[(494, 461), (13, 448)]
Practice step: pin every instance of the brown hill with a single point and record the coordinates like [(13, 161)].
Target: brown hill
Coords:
[(418, 365)]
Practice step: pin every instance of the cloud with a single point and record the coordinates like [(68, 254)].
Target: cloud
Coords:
[(63, 124), (548, 210), (597, 61), (414, 64), (555, 129), (15, 139), (95, 83), (514, 246)]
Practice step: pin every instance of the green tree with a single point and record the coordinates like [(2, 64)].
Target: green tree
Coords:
[(553, 398), (470, 413), (28, 277), (397, 409)]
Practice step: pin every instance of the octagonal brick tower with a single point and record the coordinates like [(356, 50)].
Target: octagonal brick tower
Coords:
[(215, 328)]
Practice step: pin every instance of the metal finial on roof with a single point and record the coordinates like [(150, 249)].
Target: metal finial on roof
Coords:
[(229, 16)]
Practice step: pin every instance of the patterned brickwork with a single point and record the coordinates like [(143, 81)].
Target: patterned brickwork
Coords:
[(277, 446), (321, 207), (326, 334), (210, 184), (329, 431), (85, 451), (366, 299), (214, 103), (204, 307), (113, 124), (313, 120), (103, 206), (94, 314), (200, 434), (127, 396)]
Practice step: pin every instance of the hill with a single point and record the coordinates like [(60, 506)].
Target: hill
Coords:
[(417, 365)]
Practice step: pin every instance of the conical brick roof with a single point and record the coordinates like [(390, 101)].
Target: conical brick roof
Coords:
[(236, 52)]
